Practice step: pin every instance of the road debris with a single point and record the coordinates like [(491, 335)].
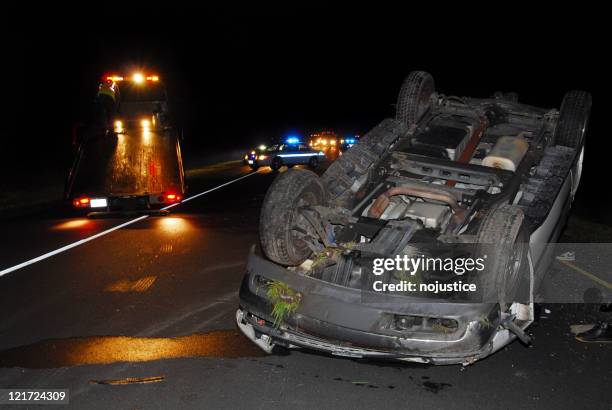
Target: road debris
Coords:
[(129, 380), (581, 328), (599, 333), (569, 256)]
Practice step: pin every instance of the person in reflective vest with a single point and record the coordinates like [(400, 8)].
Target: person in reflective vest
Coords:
[(106, 102)]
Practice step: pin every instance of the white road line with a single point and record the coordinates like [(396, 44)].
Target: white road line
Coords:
[(114, 228), (210, 190), (70, 246)]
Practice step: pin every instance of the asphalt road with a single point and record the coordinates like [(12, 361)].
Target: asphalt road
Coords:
[(156, 300)]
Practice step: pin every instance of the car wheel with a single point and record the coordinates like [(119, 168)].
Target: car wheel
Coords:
[(254, 166), (313, 162), (571, 129), (280, 215), (348, 173), (573, 119), (503, 242), (276, 164), (577, 172), (415, 97)]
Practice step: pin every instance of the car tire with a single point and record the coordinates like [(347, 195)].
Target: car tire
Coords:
[(254, 166), (313, 162), (276, 163), (345, 175), (573, 119), (503, 242), (279, 215), (415, 97)]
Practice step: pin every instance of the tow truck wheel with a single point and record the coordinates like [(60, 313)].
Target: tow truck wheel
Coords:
[(503, 238), (276, 164), (281, 222), (415, 97), (313, 163)]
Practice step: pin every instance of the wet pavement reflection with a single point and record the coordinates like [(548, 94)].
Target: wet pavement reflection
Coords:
[(112, 349), (125, 285)]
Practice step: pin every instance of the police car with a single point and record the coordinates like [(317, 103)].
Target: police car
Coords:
[(291, 152), (348, 142)]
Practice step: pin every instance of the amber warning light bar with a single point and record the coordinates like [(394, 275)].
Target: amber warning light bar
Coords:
[(137, 78)]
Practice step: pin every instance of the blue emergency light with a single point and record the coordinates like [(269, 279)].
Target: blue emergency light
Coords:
[(292, 140)]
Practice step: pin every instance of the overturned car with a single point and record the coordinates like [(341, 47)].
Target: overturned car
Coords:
[(485, 182)]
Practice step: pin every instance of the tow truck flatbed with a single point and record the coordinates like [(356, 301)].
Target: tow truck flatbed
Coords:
[(133, 163)]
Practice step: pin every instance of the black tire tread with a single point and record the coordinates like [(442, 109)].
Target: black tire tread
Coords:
[(501, 225), (276, 219), (575, 106), (409, 99), (501, 228), (358, 160)]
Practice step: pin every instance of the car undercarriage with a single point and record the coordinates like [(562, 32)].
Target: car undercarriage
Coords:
[(448, 179)]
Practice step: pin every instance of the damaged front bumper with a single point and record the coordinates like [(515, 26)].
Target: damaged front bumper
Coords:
[(338, 320)]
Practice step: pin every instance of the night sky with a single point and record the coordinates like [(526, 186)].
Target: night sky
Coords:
[(242, 75)]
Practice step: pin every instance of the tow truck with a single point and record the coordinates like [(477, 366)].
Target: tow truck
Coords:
[(133, 163)]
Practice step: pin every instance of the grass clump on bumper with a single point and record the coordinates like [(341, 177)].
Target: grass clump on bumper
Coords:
[(284, 301)]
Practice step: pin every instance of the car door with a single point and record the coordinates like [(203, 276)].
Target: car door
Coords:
[(305, 154), (291, 155)]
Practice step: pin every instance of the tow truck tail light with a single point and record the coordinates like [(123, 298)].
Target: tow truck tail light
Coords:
[(172, 198), (81, 202)]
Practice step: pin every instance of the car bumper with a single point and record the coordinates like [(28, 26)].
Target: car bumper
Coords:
[(151, 204), (259, 162), (335, 319)]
